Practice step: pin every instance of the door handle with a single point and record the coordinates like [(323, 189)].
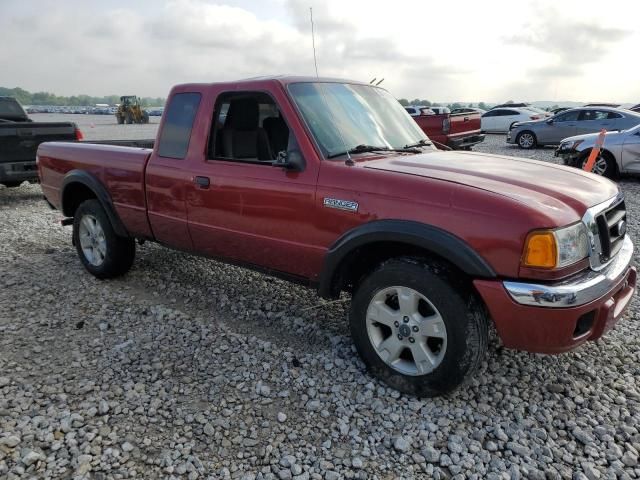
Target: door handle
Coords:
[(202, 182)]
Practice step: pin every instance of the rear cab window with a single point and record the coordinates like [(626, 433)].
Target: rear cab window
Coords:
[(176, 132), (11, 109)]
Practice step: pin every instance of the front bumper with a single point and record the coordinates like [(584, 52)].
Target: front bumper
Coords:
[(510, 138), (557, 317), (18, 172), (569, 156)]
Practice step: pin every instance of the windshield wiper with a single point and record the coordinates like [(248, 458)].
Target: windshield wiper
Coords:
[(421, 143), (359, 149), (372, 148)]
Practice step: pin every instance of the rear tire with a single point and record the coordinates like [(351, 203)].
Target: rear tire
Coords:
[(145, 118), (103, 253), (527, 140), (417, 327), (128, 119), (120, 119)]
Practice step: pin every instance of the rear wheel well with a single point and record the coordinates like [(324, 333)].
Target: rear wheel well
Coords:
[(364, 259), (74, 194)]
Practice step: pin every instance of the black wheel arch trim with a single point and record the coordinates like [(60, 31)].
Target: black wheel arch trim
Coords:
[(428, 237), (97, 187)]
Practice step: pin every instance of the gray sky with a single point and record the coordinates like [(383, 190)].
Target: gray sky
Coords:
[(467, 50)]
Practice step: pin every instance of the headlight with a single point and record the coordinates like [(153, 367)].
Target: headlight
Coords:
[(571, 145), (556, 248)]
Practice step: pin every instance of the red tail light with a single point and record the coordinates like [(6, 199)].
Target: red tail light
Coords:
[(534, 117), (79, 135), (446, 125)]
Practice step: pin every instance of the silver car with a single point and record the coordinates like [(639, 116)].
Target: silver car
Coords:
[(620, 152), (577, 121)]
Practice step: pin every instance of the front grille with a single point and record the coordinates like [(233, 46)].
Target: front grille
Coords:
[(612, 226)]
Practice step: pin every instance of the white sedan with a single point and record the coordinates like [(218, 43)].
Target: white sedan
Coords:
[(500, 120)]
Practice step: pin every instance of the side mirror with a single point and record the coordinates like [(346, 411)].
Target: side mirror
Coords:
[(550, 120), (292, 161)]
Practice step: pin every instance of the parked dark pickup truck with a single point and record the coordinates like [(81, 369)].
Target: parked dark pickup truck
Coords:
[(331, 184), (459, 131), (19, 140)]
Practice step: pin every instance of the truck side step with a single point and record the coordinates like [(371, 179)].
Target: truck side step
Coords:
[(65, 222)]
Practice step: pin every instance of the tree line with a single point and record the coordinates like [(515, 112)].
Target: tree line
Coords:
[(46, 98)]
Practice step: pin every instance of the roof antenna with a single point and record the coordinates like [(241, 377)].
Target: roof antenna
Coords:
[(313, 41), (372, 80), (381, 80)]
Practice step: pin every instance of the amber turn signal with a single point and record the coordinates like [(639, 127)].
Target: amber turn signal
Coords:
[(541, 250)]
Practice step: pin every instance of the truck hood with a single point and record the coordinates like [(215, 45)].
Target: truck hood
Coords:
[(545, 187)]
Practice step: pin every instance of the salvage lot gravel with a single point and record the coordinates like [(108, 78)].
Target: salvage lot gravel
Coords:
[(188, 368)]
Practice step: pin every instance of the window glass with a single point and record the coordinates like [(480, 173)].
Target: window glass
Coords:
[(568, 116), (342, 116), (248, 126), (490, 113), (411, 111), (509, 112), (613, 115), (178, 122), (10, 108), (589, 115)]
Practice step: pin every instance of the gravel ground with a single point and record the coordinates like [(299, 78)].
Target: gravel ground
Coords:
[(187, 368)]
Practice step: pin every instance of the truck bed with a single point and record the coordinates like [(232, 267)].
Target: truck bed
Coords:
[(455, 130), (19, 142), (118, 164)]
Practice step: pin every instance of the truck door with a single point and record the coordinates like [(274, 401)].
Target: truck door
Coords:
[(166, 177), (240, 206)]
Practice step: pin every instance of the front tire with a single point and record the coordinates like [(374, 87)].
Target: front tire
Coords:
[(604, 166), (417, 328), (103, 253), (526, 140)]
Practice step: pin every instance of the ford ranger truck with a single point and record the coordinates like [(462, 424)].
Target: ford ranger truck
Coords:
[(331, 184), (19, 140)]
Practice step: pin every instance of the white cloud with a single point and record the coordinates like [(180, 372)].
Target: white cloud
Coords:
[(469, 50)]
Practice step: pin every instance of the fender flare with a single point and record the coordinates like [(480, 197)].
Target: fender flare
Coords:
[(427, 237), (99, 190)]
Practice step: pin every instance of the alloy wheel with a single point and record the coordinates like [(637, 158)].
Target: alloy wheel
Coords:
[(406, 330)]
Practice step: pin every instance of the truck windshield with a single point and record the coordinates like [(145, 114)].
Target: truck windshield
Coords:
[(342, 117)]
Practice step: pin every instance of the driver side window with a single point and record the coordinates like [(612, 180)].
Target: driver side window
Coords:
[(248, 127), (567, 117)]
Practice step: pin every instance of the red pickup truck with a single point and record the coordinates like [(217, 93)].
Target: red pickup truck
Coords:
[(458, 131), (331, 184)]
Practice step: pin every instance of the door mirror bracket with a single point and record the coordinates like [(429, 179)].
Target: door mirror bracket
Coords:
[(292, 160)]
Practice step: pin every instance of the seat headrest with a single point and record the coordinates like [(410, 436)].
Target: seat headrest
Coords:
[(243, 114)]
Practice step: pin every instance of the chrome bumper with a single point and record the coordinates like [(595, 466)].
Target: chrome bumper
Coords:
[(578, 290)]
